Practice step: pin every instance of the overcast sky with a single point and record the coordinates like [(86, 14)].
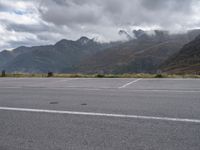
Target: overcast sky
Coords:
[(39, 22)]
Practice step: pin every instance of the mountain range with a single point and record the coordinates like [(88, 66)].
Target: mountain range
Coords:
[(143, 52), (60, 57), (187, 60)]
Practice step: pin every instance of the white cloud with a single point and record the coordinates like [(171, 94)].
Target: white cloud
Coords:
[(35, 22)]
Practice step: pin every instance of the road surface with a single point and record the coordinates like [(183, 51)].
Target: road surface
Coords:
[(98, 114)]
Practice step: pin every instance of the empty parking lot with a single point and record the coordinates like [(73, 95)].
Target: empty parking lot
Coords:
[(79, 113)]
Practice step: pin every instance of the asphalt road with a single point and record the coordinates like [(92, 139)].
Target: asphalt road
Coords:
[(97, 114)]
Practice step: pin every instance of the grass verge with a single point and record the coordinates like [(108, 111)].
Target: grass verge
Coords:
[(141, 75)]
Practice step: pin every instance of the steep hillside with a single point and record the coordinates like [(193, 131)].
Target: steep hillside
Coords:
[(144, 54), (6, 56), (186, 61), (60, 57)]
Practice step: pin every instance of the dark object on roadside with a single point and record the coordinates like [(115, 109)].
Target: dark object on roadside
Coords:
[(159, 76), (83, 104), (53, 103), (100, 76), (3, 73), (50, 74)]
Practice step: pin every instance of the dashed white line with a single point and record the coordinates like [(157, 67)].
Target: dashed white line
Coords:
[(101, 114), (127, 84)]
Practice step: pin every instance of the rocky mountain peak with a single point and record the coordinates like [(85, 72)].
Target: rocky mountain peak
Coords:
[(83, 40)]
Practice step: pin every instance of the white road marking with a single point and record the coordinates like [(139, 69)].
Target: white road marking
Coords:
[(10, 79), (63, 80), (50, 82), (173, 91), (172, 79), (101, 114), (127, 84)]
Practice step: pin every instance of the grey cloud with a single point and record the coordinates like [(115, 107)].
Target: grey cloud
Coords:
[(14, 44), (27, 28), (4, 7), (104, 18), (118, 12), (114, 7), (177, 5), (70, 13), (61, 2)]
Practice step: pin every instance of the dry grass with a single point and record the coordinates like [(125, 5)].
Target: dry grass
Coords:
[(141, 75)]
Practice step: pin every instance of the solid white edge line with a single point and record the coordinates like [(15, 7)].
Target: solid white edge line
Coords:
[(127, 84), (101, 114), (172, 79)]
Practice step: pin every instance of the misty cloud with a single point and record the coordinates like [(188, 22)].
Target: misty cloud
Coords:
[(33, 22), (117, 12)]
